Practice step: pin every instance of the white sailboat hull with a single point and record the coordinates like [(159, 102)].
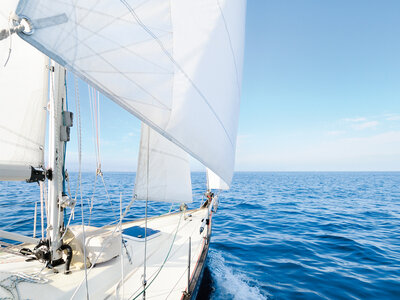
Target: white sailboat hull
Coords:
[(167, 265)]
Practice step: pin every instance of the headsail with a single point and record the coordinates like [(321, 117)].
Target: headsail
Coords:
[(23, 97), (175, 64), (163, 172), (214, 182)]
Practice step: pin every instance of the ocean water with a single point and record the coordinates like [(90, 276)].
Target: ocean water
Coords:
[(275, 235)]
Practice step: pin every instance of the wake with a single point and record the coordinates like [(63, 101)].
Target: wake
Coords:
[(230, 284)]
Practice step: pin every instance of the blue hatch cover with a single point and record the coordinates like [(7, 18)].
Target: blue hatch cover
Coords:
[(138, 232)]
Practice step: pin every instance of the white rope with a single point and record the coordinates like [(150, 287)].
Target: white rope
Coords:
[(94, 101), (145, 217), (46, 200), (10, 45), (92, 199), (5, 33), (34, 220), (78, 129), (70, 194), (72, 213), (98, 127), (90, 90), (108, 196), (170, 209), (69, 221), (41, 184), (95, 113), (122, 245)]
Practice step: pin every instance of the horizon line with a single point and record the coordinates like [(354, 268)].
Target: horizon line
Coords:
[(249, 171)]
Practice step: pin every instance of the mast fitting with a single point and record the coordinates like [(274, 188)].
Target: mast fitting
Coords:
[(67, 124), (37, 175)]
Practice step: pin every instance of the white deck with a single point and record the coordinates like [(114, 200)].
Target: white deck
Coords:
[(166, 281)]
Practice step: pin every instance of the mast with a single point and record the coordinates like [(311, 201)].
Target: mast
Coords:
[(58, 135)]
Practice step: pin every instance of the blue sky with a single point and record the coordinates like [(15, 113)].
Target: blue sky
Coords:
[(320, 92)]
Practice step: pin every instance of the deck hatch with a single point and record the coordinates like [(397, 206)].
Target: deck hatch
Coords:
[(138, 232)]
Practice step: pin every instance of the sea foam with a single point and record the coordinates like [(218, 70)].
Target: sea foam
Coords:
[(230, 283)]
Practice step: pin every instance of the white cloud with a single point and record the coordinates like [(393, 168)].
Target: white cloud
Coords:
[(393, 118), (365, 125)]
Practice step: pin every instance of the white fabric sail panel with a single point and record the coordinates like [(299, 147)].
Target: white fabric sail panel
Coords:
[(163, 172), (23, 96), (174, 64), (217, 28), (214, 182)]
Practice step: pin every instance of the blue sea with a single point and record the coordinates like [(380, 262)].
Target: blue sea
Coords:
[(275, 235)]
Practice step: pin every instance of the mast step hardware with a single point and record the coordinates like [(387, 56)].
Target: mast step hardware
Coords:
[(68, 249), (42, 251)]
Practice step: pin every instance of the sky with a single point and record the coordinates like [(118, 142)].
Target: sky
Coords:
[(320, 92)]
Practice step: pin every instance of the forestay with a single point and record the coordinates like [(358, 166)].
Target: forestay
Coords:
[(23, 96), (214, 182), (174, 64), (163, 172)]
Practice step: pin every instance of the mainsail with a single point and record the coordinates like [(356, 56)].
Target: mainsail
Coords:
[(174, 64), (163, 172), (23, 97)]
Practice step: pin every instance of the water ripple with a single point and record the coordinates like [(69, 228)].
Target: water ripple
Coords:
[(275, 235)]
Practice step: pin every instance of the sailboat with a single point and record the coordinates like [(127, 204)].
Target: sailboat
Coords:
[(175, 65)]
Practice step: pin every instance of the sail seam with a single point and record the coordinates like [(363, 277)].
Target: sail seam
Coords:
[(125, 47), (94, 33), (126, 77), (20, 136), (60, 40), (231, 47), (179, 67), (120, 18), (168, 154)]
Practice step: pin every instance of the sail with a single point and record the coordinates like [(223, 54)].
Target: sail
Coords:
[(23, 95), (215, 182), (163, 172), (176, 65)]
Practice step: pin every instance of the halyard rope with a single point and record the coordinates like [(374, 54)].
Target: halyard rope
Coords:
[(78, 129), (94, 101)]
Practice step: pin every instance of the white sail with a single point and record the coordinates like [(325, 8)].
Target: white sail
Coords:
[(214, 182), (23, 95), (163, 172), (175, 64)]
